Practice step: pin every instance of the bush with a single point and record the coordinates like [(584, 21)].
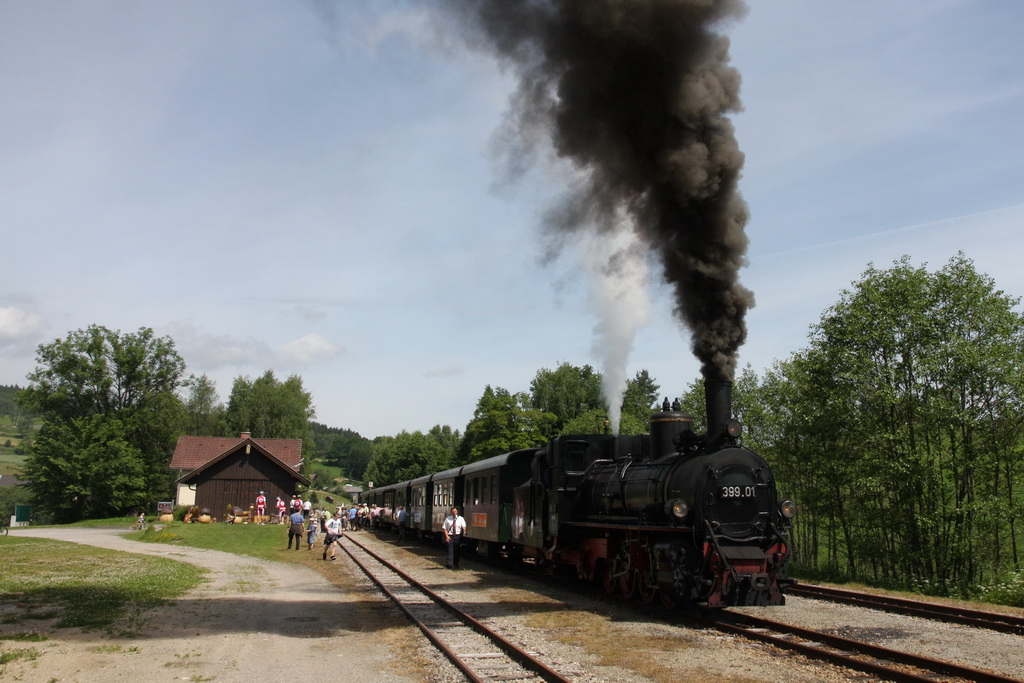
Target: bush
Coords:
[(1010, 591)]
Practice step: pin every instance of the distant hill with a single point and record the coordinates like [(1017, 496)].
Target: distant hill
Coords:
[(7, 394), (342, 448)]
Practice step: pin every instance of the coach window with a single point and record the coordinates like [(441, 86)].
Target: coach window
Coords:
[(494, 488)]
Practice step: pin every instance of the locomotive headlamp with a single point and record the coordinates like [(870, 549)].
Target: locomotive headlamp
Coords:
[(678, 508), (788, 509), (733, 428)]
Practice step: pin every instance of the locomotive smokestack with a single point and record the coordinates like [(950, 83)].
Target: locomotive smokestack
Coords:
[(718, 402)]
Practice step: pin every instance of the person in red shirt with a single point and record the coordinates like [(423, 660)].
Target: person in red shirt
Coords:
[(281, 507), (261, 507)]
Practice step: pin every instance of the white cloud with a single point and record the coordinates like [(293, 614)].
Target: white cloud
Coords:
[(18, 325), (206, 351), (311, 348)]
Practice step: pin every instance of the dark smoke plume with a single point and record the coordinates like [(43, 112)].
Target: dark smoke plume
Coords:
[(635, 93)]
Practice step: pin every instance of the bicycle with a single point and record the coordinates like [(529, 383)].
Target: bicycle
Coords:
[(137, 526)]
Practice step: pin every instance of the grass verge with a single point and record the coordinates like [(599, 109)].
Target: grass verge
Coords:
[(262, 542), (82, 586)]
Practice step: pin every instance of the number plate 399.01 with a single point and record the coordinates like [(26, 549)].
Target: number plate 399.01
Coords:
[(734, 492)]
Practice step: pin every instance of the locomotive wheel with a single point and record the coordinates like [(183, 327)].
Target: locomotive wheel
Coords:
[(648, 593), (610, 585), (629, 583), (668, 599)]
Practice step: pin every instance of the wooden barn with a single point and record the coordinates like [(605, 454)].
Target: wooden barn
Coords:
[(214, 472)]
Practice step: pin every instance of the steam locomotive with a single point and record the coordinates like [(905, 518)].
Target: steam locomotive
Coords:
[(671, 515)]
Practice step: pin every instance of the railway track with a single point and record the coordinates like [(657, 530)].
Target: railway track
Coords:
[(1004, 623), (886, 664), (479, 652), (875, 661)]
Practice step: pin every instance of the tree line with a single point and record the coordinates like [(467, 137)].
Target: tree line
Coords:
[(565, 400), (898, 430)]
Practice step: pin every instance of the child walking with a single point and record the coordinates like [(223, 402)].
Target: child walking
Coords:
[(311, 529)]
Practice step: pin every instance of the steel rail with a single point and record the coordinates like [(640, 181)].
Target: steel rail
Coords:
[(839, 651), (1005, 623), (515, 653)]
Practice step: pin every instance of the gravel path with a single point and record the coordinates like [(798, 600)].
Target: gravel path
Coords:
[(254, 621)]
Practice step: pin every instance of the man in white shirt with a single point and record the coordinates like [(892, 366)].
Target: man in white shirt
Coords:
[(454, 529), (333, 532)]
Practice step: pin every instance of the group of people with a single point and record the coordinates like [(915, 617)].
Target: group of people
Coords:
[(312, 523), (304, 520)]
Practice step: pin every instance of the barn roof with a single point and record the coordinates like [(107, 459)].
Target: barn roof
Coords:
[(259, 445), (193, 452)]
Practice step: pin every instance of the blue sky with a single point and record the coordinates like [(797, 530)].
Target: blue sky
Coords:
[(310, 187)]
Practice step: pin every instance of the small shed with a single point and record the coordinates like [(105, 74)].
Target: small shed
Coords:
[(353, 492), (214, 472)]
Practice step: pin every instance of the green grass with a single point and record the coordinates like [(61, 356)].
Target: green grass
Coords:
[(119, 522), (29, 654), (110, 521), (26, 637), (264, 542), (11, 463), (82, 586)]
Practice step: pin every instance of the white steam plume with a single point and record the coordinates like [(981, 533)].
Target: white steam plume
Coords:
[(618, 277)]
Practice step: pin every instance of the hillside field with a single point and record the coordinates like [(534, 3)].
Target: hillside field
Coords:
[(10, 462)]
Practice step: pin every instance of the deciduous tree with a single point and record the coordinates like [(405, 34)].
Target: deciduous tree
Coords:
[(907, 418), (110, 415), (204, 412), (504, 422), (567, 392), (404, 457), (271, 409)]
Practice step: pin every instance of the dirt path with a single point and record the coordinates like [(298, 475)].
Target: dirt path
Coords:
[(254, 621)]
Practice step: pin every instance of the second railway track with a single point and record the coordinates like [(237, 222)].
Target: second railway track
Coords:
[(479, 652), (1004, 623), (885, 663)]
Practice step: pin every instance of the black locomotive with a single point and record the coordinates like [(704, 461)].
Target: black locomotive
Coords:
[(669, 515)]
